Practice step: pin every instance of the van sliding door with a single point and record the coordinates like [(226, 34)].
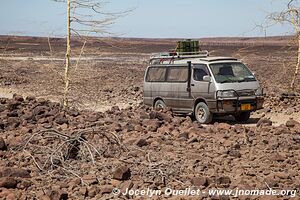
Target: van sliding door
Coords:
[(178, 96)]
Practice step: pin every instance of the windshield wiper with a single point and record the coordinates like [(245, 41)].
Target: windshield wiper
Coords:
[(248, 80), (227, 81)]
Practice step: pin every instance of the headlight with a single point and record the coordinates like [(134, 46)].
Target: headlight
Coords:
[(259, 92), (226, 93)]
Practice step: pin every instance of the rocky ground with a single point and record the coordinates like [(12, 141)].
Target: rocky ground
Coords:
[(51, 153)]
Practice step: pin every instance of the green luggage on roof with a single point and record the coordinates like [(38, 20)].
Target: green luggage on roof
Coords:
[(187, 46)]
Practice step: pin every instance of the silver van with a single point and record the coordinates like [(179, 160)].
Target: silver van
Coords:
[(203, 86)]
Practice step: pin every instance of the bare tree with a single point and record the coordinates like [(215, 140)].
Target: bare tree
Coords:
[(290, 16), (84, 17)]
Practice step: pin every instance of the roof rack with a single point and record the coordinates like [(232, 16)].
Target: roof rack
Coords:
[(213, 59), (162, 57)]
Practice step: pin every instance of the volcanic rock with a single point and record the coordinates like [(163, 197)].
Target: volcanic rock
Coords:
[(199, 181), (122, 173), (14, 172), (8, 182), (291, 123), (224, 181), (3, 146), (58, 195), (264, 121)]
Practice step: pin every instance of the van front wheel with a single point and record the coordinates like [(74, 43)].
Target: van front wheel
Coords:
[(202, 113), (159, 104)]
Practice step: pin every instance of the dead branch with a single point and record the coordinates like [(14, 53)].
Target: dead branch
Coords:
[(52, 150)]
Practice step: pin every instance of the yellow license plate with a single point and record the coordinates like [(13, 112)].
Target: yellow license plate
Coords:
[(246, 107)]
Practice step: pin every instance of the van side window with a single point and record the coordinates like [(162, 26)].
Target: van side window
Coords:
[(177, 74), (156, 74), (199, 72)]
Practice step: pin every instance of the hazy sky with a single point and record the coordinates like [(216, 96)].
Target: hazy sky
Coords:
[(150, 18)]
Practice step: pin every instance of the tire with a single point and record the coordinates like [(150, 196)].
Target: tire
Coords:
[(159, 104), (202, 113), (242, 117)]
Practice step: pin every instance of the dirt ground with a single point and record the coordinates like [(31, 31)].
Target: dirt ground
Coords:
[(110, 140)]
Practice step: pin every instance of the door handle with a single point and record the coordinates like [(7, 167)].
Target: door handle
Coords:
[(192, 84)]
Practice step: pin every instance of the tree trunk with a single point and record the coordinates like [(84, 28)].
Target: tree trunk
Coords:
[(68, 54), (297, 66)]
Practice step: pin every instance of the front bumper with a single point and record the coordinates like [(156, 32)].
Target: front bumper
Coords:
[(237, 104)]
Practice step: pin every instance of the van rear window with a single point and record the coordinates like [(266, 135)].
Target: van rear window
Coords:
[(177, 74), (156, 74)]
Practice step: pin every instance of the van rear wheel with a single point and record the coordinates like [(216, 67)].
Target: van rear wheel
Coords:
[(159, 104), (242, 117), (202, 113)]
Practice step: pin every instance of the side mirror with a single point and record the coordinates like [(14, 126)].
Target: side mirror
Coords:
[(207, 78)]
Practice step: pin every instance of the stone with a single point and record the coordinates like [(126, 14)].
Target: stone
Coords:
[(39, 110), (3, 146), (90, 179), (163, 117), (138, 128), (14, 172), (2, 108), (126, 185), (106, 189), (296, 139), (199, 181), (224, 181), (93, 191), (282, 175), (115, 109), (18, 97), (25, 183), (30, 98), (13, 105), (13, 113), (184, 135), (7, 194), (13, 121), (83, 191), (73, 112), (116, 127), (61, 120), (136, 88), (8, 182), (122, 173), (28, 115), (277, 157), (234, 153), (192, 140), (74, 183), (58, 195), (42, 101), (92, 118), (151, 124), (44, 197), (223, 126), (141, 142), (291, 123), (264, 121), (271, 181), (115, 182)]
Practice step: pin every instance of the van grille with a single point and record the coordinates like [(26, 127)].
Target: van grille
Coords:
[(245, 93)]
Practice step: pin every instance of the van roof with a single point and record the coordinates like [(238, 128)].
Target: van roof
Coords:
[(207, 59)]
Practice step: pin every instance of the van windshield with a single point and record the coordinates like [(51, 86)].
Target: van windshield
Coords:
[(231, 72)]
